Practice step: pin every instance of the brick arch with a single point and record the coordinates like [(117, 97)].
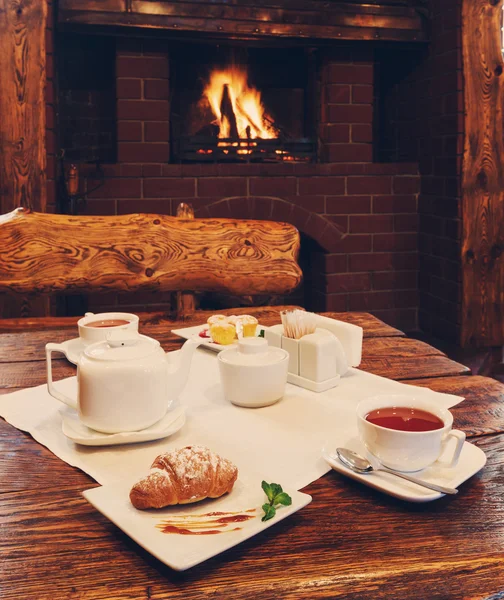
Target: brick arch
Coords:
[(269, 208)]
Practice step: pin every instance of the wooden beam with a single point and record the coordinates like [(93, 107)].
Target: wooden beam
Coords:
[(44, 253), (248, 19), (482, 318), (22, 121), (22, 104)]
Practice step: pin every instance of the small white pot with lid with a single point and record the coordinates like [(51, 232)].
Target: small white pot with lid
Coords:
[(253, 374)]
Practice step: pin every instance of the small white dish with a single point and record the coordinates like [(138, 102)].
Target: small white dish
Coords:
[(181, 552), (74, 349), (472, 459), (191, 332), (80, 434)]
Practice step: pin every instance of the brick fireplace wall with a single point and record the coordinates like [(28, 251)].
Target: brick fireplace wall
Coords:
[(428, 107), (363, 215)]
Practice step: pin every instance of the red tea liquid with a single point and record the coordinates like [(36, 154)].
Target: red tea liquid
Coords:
[(107, 323), (402, 418)]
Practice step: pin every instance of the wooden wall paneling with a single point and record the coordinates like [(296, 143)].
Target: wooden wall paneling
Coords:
[(482, 318), (98, 5), (22, 120), (22, 104)]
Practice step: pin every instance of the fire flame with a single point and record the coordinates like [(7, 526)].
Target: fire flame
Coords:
[(237, 107)]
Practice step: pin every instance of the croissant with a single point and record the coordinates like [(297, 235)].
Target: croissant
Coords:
[(184, 476)]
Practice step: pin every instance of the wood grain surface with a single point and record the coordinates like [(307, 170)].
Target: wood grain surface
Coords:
[(412, 367), (44, 253), (22, 356), (267, 315), (29, 346), (482, 295), (22, 105), (482, 412), (161, 319), (22, 121), (351, 542)]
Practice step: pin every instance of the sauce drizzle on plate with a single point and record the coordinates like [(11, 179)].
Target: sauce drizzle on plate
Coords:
[(205, 524)]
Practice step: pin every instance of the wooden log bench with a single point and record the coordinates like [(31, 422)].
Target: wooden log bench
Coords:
[(46, 254)]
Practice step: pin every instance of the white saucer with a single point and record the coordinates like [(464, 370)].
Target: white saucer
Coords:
[(79, 433), (471, 460), (74, 349)]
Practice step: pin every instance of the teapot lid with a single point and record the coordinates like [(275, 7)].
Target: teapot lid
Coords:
[(252, 351), (122, 345)]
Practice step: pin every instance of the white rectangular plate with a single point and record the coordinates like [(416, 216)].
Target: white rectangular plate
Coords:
[(191, 332), (471, 460), (181, 552)]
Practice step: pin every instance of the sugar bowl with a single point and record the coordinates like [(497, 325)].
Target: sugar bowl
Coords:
[(253, 374)]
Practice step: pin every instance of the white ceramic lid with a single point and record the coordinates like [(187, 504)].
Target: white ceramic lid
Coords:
[(122, 345), (253, 351)]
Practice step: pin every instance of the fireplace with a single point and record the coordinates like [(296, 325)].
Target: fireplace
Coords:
[(357, 218), (242, 104), (320, 100)]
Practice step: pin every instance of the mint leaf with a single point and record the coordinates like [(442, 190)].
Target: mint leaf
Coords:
[(283, 498), (276, 496), (268, 491), (261, 333), (269, 512), (276, 489)]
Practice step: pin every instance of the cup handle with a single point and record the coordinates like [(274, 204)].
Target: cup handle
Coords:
[(50, 348), (459, 437)]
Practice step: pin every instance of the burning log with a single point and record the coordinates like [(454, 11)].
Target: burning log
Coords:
[(237, 106), (227, 112)]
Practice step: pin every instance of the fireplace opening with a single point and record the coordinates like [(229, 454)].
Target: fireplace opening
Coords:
[(237, 104)]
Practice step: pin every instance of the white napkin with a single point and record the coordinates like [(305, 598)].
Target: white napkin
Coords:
[(282, 442), (348, 334)]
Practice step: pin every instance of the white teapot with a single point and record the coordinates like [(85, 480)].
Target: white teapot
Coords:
[(125, 383)]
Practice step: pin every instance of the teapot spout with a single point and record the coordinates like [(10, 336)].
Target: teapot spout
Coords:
[(178, 372)]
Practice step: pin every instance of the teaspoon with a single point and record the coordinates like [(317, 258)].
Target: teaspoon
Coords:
[(359, 464)]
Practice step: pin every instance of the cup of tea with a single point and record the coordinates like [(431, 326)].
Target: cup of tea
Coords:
[(408, 434), (95, 327)]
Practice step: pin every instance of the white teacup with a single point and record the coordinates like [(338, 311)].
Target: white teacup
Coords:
[(95, 327), (409, 450)]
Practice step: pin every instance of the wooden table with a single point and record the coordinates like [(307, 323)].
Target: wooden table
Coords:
[(350, 542)]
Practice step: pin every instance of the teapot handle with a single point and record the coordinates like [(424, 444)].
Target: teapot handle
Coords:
[(50, 348)]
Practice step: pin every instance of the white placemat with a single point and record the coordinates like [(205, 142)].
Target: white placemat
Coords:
[(283, 442)]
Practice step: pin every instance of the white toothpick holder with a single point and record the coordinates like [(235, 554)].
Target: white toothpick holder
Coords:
[(316, 361)]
